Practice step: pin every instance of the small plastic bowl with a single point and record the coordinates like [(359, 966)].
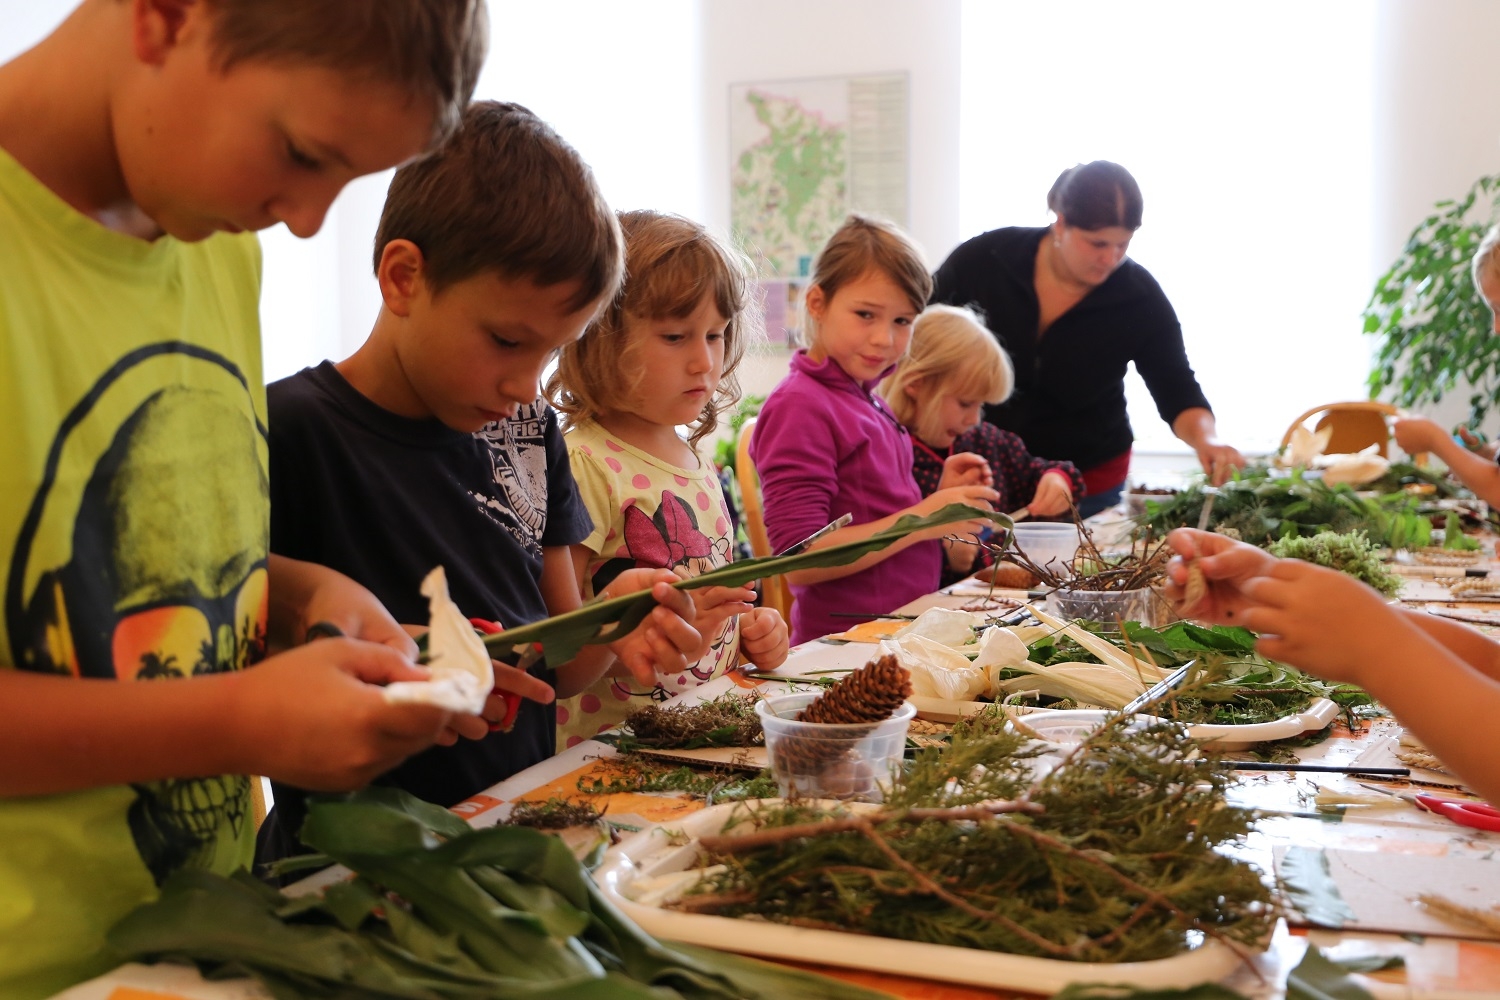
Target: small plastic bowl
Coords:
[(815, 760), (1047, 542)]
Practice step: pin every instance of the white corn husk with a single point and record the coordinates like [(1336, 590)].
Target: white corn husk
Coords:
[(954, 629), (462, 676), (937, 671), (1000, 647), (1304, 447), (1356, 469), (1111, 684)]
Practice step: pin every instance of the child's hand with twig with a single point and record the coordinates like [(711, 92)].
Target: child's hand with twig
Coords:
[(1225, 566), (763, 638), (1054, 495)]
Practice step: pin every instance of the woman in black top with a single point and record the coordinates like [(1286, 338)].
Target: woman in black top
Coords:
[(1073, 311)]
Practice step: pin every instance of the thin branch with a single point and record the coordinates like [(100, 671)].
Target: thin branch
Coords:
[(741, 842)]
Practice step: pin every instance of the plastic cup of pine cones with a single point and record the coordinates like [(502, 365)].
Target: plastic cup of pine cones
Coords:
[(844, 743)]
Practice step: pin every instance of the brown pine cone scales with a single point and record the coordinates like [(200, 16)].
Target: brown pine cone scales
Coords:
[(870, 694), (849, 709)]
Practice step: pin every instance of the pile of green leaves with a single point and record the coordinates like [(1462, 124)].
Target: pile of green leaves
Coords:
[(1119, 866), (1232, 684), (437, 911), (1260, 504), (1352, 553)]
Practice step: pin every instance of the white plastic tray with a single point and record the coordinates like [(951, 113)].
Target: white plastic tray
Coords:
[(1318, 714), (660, 851)]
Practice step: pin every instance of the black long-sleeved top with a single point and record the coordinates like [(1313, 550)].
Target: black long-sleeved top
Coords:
[(1069, 400)]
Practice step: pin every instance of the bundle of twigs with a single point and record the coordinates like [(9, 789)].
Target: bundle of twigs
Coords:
[(1090, 568), (1110, 857)]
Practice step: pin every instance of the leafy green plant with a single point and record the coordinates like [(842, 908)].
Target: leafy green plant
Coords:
[(439, 911), (1261, 504), (1433, 325), (724, 454)]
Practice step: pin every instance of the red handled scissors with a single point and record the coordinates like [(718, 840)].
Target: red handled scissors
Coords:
[(512, 700), (1479, 815)]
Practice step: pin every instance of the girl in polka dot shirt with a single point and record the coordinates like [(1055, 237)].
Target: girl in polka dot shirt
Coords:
[(661, 356)]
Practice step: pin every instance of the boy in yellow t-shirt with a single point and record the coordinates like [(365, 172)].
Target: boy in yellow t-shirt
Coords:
[(136, 141)]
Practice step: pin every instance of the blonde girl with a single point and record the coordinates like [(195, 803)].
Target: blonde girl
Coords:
[(938, 391), (826, 444), (660, 356)]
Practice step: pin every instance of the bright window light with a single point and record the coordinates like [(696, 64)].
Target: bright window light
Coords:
[(1248, 127)]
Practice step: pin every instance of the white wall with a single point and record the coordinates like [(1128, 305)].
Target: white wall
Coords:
[(748, 41), (655, 128)]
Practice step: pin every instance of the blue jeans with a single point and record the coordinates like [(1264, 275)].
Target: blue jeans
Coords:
[(1095, 502)]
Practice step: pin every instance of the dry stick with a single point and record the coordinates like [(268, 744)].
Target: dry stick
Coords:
[(1151, 894), (925, 881)]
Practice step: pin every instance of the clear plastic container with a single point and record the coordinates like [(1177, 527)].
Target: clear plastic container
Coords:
[(1110, 606), (831, 761), (1047, 542)]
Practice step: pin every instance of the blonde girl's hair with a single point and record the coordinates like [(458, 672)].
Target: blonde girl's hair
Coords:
[(1487, 257), (671, 263), (862, 244), (952, 354)]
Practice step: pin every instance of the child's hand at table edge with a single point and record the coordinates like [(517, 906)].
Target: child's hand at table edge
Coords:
[(764, 638), (666, 641)]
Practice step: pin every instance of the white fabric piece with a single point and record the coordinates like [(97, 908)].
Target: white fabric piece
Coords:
[(462, 676)]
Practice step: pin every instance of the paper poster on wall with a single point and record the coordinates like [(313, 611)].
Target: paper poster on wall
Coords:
[(805, 153)]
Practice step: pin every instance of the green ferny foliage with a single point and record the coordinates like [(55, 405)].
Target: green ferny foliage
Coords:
[(1433, 324)]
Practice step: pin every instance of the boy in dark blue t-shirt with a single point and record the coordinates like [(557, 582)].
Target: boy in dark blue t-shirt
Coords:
[(430, 445)]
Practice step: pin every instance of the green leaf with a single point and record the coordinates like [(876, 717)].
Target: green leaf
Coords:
[(562, 636), (1317, 978), (1308, 882)]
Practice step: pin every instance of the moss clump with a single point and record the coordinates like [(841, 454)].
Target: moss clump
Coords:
[(1351, 553)]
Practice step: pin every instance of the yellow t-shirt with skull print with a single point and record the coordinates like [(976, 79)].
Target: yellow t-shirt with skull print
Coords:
[(647, 513), (134, 523)]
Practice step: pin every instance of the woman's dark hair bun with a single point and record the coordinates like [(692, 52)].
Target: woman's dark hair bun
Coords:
[(1097, 195)]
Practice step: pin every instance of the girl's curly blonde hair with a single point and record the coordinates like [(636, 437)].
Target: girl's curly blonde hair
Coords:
[(671, 263)]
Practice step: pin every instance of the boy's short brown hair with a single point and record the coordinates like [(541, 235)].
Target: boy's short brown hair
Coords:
[(432, 48), (506, 194)]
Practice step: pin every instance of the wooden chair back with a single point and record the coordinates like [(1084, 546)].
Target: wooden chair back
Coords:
[(774, 590)]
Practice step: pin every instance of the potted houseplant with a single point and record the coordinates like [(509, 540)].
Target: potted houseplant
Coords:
[(1434, 327)]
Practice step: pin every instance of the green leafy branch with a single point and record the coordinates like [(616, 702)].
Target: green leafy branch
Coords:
[(1433, 325), (562, 636)]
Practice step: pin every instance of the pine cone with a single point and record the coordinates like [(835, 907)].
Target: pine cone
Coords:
[(868, 696)]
